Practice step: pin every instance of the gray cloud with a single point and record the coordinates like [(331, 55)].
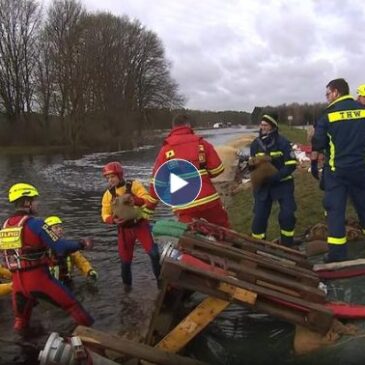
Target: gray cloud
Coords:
[(241, 53)]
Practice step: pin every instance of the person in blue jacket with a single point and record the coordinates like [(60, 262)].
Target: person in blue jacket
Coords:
[(280, 186), (340, 133)]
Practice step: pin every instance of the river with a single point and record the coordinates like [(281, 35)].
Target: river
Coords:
[(72, 189)]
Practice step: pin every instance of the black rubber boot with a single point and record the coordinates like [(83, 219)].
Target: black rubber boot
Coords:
[(155, 261), (126, 273)]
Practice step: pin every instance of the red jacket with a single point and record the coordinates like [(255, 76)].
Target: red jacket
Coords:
[(183, 143)]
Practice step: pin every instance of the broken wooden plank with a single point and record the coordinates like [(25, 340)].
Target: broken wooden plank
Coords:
[(257, 275), (230, 253), (118, 344), (208, 283), (237, 239), (339, 265)]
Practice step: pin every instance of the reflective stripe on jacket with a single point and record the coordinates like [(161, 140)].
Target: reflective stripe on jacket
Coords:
[(341, 133), (37, 238)]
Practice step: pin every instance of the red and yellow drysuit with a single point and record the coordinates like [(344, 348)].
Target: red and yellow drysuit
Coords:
[(130, 231), (25, 242), (183, 143)]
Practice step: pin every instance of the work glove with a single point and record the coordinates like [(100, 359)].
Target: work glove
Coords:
[(314, 169), (92, 274), (86, 243)]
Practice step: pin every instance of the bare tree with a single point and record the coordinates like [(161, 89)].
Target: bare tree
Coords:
[(19, 26), (106, 54), (44, 74), (63, 31), (154, 86), (80, 67)]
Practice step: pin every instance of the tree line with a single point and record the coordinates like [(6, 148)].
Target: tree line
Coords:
[(73, 77), (293, 114)]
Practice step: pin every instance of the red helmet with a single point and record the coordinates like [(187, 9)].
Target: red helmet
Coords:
[(113, 168)]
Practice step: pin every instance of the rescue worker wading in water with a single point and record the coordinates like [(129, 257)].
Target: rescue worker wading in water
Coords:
[(183, 143), (61, 266), (25, 242), (133, 229)]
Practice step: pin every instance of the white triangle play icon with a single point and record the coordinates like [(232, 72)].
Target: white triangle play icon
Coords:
[(176, 183)]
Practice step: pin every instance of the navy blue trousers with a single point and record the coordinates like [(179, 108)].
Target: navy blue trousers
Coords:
[(283, 193), (339, 186)]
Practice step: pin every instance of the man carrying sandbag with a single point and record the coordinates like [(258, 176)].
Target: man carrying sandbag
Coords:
[(123, 204), (273, 161)]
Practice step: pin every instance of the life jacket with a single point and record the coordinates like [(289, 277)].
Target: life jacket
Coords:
[(128, 188), (20, 252)]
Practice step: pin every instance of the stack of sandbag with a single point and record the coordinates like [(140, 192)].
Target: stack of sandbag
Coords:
[(229, 157), (319, 232)]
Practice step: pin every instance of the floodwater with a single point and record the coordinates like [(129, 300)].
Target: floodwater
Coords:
[(72, 189)]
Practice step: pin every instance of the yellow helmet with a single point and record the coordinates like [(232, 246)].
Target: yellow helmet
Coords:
[(53, 220), (21, 190), (361, 90)]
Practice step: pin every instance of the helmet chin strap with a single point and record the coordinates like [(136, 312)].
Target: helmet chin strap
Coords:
[(119, 185), (27, 207)]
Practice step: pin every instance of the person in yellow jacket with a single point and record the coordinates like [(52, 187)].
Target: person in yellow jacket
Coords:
[(62, 267), (5, 288), (131, 218)]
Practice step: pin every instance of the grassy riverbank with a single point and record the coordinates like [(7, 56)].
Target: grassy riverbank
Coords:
[(307, 194)]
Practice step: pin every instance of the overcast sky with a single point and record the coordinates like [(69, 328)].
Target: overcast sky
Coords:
[(235, 54)]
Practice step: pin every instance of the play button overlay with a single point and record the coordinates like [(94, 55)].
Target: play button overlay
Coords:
[(177, 182)]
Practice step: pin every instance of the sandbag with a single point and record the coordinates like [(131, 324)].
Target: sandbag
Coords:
[(263, 169), (123, 208), (169, 228), (306, 341), (316, 247), (319, 232), (229, 158)]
